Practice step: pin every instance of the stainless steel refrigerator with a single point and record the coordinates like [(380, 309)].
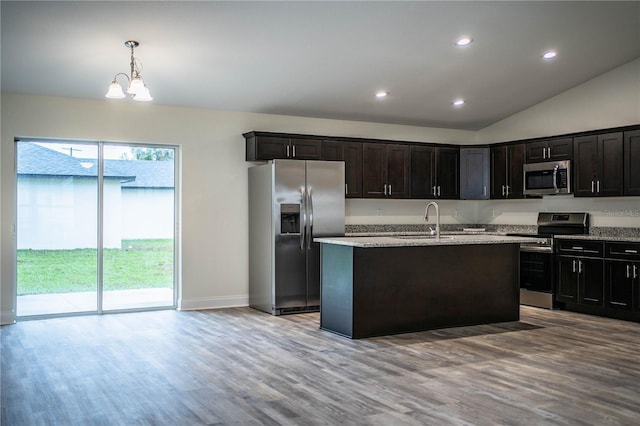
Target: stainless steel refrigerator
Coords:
[(290, 203)]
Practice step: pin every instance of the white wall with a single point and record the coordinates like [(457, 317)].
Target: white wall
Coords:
[(214, 177), (610, 100)]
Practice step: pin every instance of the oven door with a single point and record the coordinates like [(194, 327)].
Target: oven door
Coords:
[(536, 269)]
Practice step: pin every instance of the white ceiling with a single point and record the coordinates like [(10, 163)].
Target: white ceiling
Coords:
[(322, 59)]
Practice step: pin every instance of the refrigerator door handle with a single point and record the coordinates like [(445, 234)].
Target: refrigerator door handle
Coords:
[(303, 216), (310, 207)]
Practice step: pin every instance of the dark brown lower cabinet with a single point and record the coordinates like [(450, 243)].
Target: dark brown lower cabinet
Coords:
[(580, 281), (621, 284), (599, 277)]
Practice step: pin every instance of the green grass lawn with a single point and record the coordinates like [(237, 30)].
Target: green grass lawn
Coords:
[(139, 264)]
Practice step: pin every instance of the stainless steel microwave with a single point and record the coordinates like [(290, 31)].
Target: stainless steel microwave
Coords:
[(552, 177)]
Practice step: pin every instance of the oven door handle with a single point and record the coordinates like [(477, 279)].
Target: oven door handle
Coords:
[(535, 249)]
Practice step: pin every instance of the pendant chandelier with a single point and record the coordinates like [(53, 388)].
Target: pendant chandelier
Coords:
[(135, 87)]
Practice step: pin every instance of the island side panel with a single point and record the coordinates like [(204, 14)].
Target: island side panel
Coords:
[(336, 289), (404, 289)]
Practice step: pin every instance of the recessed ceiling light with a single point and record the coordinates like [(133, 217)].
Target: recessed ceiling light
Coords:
[(464, 41), (549, 54), (382, 94), (458, 102)]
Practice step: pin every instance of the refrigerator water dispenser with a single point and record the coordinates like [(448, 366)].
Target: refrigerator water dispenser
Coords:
[(289, 219)]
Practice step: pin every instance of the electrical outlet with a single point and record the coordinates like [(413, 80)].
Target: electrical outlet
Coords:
[(379, 212)]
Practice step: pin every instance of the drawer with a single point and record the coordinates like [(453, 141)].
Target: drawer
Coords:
[(622, 250), (584, 248)]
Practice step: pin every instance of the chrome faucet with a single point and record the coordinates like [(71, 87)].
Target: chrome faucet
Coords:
[(426, 217)]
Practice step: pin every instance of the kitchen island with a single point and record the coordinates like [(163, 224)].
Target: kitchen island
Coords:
[(374, 286)]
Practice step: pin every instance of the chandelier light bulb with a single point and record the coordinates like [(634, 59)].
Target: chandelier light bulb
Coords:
[(115, 91), (144, 95), (136, 86)]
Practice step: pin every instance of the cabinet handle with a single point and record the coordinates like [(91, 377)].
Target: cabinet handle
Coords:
[(593, 184), (579, 266), (635, 271), (385, 189), (389, 189), (434, 191), (598, 186), (628, 271), (549, 153), (503, 194), (544, 153), (438, 190), (484, 190), (577, 248), (288, 151), (631, 251), (573, 266), (507, 186), (294, 151), (346, 189)]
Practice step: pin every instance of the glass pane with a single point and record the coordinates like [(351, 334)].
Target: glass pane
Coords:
[(138, 227), (56, 228)]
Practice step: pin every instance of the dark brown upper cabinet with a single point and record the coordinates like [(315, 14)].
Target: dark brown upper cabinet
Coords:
[(507, 179), (632, 163), (549, 150), (474, 173), (598, 162), (262, 146), (435, 172), (351, 154), (385, 170)]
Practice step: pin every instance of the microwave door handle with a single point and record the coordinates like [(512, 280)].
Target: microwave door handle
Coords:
[(555, 179)]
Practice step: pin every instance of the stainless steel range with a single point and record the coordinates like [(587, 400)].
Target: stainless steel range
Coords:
[(537, 282)]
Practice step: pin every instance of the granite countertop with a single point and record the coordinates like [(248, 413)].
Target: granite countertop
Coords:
[(600, 238), (425, 240)]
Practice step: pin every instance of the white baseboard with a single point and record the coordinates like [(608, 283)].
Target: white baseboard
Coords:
[(7, 317), (212, 303)]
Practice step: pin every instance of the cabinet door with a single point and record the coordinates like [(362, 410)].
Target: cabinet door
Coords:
[(448, 172), (632, 163), (515, 178), (306, 149), (271, 148), (422, 171), (351, 154), (374, 162), (591, 277), (353, 169), (619, 284), (585, 165), (332, 151), (610, 174), (560, 149), (397, 170), (567, 280), (498, 171), (474, 173), (536, 152)]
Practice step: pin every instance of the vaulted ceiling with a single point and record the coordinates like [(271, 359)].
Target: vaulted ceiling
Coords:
[(322, 59)]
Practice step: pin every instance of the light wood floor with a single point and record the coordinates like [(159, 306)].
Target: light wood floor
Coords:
[(241, 366)]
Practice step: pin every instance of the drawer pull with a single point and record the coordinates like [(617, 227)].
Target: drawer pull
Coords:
[(631, 251), (591, 299), (577, 248), (618, 303)]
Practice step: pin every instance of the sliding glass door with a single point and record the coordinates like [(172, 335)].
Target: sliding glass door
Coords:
[(95, 227), (138, 227)]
